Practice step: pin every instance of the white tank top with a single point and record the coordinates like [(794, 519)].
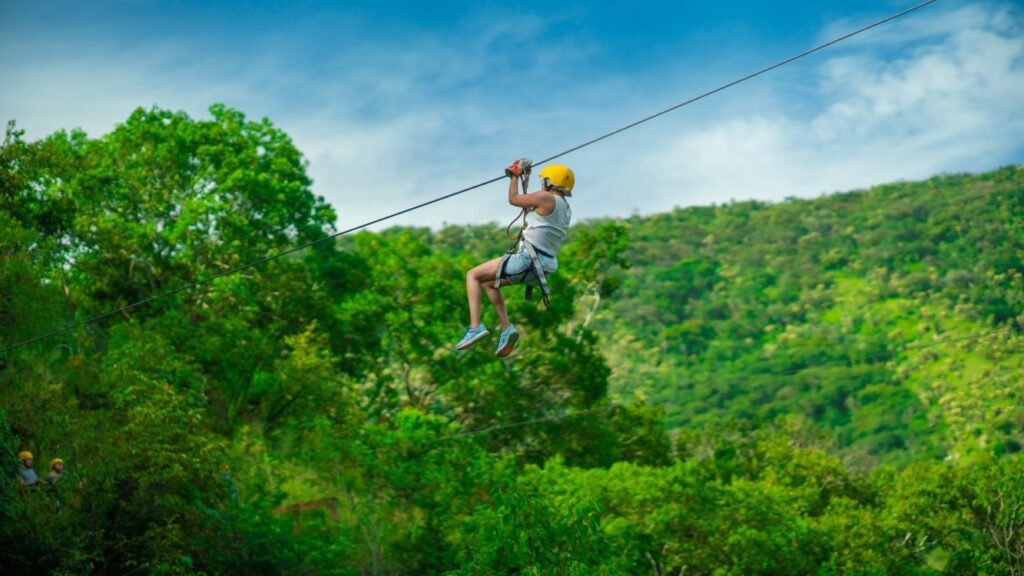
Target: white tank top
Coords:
[(547, 233)]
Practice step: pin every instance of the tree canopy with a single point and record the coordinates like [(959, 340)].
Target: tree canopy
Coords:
[(827, 386)]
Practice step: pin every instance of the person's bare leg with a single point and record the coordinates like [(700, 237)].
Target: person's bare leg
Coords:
[(498, 301), (481, 274)]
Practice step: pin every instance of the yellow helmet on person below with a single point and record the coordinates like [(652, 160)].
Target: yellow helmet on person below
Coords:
[(55, 461), (24, 455), (558, 176)]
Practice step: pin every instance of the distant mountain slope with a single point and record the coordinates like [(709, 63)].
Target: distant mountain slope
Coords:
[(871, 313)]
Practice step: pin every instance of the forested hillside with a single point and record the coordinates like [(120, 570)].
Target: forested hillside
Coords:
[(884, 316), (822, 387)]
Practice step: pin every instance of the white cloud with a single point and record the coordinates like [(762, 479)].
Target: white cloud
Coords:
[(390, 122), (950, 102)]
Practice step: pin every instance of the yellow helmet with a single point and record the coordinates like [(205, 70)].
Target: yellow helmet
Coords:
[(55, 461), (24, 455), (558, 176)]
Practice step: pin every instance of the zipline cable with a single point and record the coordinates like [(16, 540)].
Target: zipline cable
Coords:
[(305, 245), (743, 79)]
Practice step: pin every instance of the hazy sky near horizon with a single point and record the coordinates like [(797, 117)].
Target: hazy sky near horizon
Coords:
[(394, 103)]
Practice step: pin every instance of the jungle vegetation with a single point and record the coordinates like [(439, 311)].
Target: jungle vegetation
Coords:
[(826, 386)]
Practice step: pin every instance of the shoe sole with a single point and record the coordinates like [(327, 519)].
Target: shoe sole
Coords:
[(509, 346), (475, 339)]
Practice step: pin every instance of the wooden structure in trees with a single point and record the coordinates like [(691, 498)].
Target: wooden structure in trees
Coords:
[(296, 510)]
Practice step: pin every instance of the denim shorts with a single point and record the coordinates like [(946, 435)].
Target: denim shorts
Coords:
[(518, 268)]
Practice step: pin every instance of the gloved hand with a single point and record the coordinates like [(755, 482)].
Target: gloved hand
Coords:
[(519, 167)]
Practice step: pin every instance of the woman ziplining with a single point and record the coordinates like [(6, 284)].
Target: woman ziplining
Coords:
[(546, 216), (476, 336)]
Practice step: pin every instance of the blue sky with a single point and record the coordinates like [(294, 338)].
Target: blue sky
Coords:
[(395, 103)]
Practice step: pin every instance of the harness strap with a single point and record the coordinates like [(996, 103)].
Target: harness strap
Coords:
[(539, 271), (501, 266), (524, 180), (521, 240)]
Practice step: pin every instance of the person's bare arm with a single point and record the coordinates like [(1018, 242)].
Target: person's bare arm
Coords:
[(541, 201)]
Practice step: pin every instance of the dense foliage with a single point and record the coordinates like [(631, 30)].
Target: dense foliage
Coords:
[(841, 378), (885, 316)]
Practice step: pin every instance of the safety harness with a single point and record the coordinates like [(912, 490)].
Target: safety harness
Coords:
[(520, 240)]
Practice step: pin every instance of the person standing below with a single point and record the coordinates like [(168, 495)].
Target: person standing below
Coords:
[(26, 475), (56, 471)]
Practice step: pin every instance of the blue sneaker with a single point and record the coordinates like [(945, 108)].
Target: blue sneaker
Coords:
[(507, 341), (471, 336)]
